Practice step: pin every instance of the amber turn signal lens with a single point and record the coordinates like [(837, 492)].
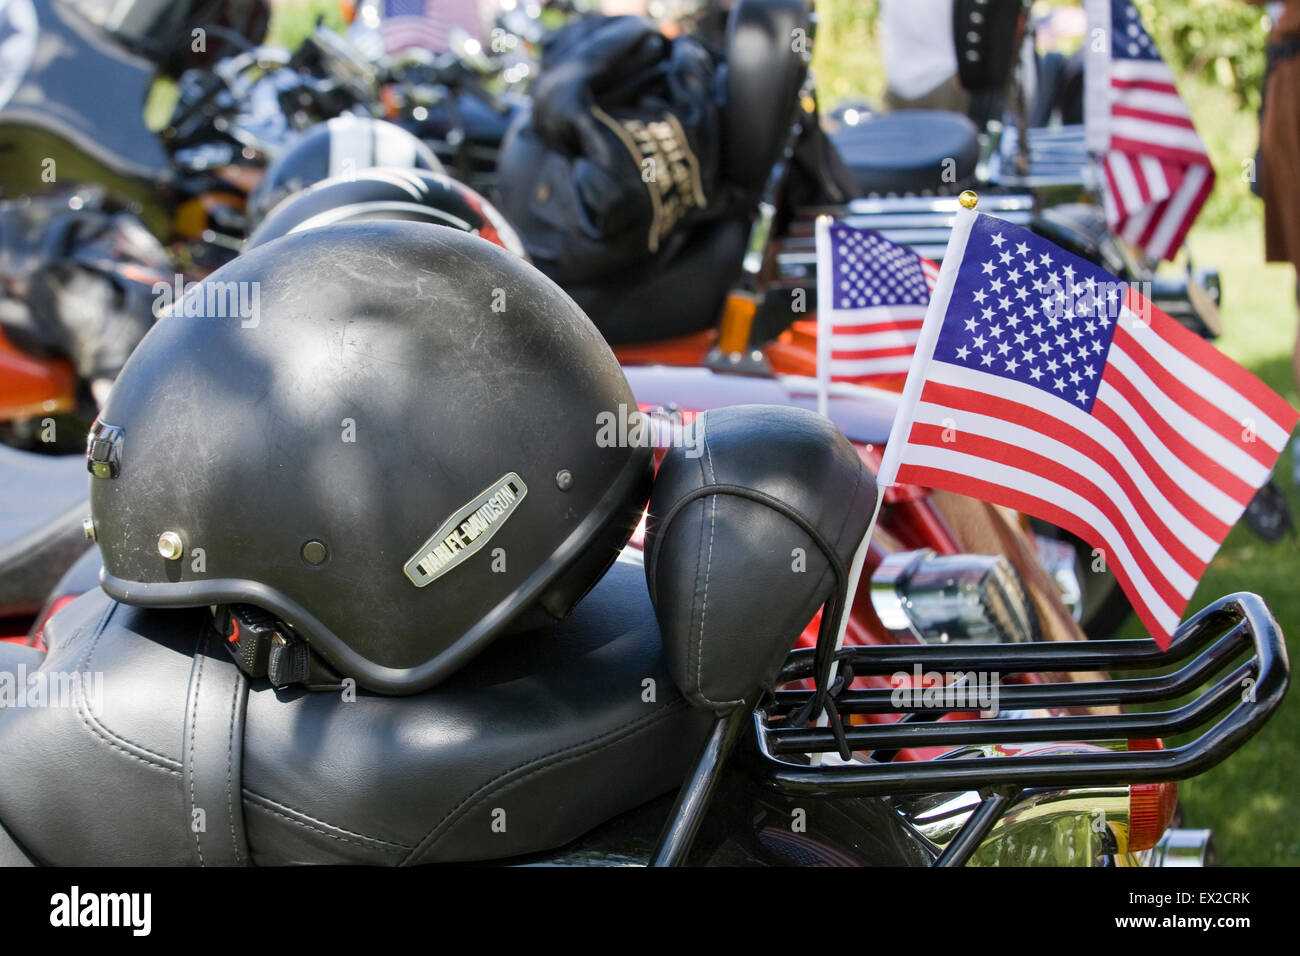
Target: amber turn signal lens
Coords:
[(1150, 805)]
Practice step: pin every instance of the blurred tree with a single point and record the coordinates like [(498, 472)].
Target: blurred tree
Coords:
[(1217, 41)]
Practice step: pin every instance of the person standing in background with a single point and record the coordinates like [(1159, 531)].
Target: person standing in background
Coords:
[(1279, 152), (920, 56)]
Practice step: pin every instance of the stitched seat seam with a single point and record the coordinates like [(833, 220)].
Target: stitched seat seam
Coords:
[(539, 764)]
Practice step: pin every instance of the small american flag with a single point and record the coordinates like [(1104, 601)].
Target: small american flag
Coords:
[(427, 23), (1043, 383), (871, 301), (1156, 172)]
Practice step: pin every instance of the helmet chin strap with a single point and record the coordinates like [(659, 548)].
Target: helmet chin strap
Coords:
[(263, 646)]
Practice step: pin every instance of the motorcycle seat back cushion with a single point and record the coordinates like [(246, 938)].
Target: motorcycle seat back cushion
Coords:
[(732, 557), (536, 741), (764, 74), (921, 152), (43, 499)]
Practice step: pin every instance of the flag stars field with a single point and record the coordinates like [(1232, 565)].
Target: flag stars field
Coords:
[(1068, 301)]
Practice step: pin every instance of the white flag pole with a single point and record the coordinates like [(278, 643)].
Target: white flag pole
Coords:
[(929, 335), (927, 339), (825, 296)]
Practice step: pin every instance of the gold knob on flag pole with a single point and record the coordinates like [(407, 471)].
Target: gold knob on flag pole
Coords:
[(968, 199)]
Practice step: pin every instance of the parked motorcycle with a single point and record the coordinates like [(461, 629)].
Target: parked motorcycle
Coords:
[(1005, 605), (72, 121), (556, 743), (77, 283), (77, 115)]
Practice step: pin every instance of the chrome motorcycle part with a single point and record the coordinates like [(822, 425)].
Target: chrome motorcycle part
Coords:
[(1179, 847), (1085, 826), (957, 598), (1236, 653), (1059, 560)]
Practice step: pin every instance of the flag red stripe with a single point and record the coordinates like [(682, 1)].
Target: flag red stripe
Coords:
[(952, 396), (1170, 249), (928, 477), (1183, 395), (1140, 147), (991, 449), (1143, 183), (1189, 454), (856, 354), (1155, 86), (1123, 208), (871, 378), (1182, 121), (1158, 213), (884, 325), (1016, 456), (1223, 368), (1116, 422)]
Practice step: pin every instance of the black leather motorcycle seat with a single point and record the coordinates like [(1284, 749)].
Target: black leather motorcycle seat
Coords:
[(906, 151), (11, 854), (540, 738), (43, 499), (14, 656)]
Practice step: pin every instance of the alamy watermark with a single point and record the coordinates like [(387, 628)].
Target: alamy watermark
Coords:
[(21, 689), (209, 299), (77, 909), (658, 428), (932, 690)]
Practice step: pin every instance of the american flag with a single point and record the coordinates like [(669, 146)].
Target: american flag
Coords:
[(1156, 172), (1047, 385), (871, 301), (427, 23)]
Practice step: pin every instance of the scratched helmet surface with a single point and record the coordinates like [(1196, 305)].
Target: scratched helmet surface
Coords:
[(382, 435)]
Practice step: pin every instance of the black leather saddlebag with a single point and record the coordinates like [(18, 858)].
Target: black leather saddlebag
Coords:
[(618, 156)]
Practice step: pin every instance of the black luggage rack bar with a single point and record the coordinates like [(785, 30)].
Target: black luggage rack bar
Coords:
[(1234, 646)]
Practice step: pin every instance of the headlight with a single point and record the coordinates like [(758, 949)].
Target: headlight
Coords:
[(942, 598)]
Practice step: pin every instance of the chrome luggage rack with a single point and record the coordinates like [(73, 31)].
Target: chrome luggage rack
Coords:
[(1234, 647), (923, 223)]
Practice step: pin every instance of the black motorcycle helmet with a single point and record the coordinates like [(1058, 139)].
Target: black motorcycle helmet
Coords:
[(394, 452), (343, 146), (389, 193)]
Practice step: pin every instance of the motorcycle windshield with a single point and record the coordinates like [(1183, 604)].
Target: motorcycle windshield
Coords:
[(81, 88)]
